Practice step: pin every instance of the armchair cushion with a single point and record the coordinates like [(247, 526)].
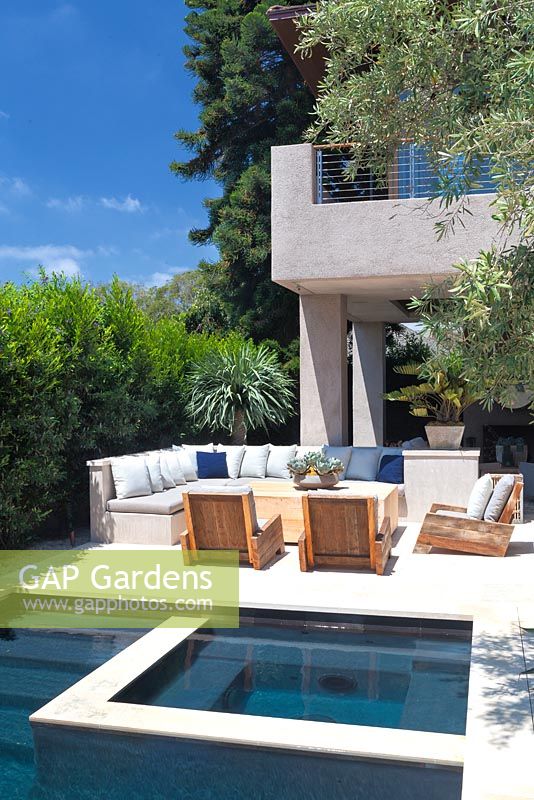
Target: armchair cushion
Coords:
[(479, 497), (499, 498)]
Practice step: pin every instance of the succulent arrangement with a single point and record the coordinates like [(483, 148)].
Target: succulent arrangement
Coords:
[(315, 463)]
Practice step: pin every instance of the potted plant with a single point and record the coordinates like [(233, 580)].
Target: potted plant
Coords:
[(315, 471), (442, 396)]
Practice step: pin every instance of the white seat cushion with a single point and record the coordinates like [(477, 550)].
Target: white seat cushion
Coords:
[(254, 464), (131, 477), (167, 502), (456, 514), (279, 455)]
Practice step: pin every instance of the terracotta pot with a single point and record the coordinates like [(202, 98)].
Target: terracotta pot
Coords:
[(444, 437), (306, 482)]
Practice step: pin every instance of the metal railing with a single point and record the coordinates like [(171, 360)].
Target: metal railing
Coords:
[(409, 175)]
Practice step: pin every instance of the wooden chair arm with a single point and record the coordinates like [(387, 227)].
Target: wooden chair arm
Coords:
[(303, 555), (382, 545), (185, 540), (273, 527), (444, 507), (267, 542), (385, 528)]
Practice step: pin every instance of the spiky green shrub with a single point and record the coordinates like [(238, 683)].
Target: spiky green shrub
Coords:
[(239, 387)]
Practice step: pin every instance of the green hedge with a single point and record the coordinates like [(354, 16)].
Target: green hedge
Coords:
[(83, 373)]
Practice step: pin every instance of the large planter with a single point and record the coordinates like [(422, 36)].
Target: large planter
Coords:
[(444, 437), (306, 482)]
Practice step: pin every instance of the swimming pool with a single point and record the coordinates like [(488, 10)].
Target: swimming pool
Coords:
[(36, 666), (110, 737), (412, 675)]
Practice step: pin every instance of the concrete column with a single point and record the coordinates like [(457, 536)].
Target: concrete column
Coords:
[(368, 383), (323, 369)]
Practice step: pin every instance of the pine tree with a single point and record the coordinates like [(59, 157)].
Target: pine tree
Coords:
[(252, 97)]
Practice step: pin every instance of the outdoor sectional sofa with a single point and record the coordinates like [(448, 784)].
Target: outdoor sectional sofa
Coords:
[(158, 518)]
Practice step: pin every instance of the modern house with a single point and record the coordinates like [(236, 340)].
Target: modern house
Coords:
[(355, 253)]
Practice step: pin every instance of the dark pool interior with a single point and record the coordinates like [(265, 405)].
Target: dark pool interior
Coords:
[(358, 671)]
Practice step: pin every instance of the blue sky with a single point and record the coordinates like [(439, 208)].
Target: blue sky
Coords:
[(90, 95)]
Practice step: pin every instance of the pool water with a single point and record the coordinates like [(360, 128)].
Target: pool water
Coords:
[(36, 666), (358, 671)]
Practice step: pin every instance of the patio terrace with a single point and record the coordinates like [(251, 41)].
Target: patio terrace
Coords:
[(497, 595)]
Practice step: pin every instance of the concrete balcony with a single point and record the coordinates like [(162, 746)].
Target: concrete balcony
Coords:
[(378, 253)]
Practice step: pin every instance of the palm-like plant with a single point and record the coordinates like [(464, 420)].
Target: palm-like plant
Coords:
[(442, 395), (238, 387)]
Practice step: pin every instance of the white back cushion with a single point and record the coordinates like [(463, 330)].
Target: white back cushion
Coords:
[(171, 468), (279, 455), (189, 463), (479, 497), (154, 471), (234, 457), (131, 477), (185, 463), (192, 450), (254, 464), (363, 464), (499, 498), (343, 453)]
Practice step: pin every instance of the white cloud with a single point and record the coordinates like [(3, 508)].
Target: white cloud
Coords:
[(53, 258), (67, 266), (130, 205), (70, 204), (15, 186), (4, 209), (4, 115), (161, 278), (58, 258), (20, 187), (42, 252)]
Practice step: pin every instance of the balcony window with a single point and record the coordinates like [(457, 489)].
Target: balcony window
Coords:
[(410, 175)]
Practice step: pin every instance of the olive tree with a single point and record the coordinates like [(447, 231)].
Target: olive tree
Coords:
[(458, 79)]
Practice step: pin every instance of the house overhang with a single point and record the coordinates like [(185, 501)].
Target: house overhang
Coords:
[(284, 19)]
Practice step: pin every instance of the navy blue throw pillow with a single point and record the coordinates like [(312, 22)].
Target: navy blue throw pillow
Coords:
[(211, 465), (391, 469)]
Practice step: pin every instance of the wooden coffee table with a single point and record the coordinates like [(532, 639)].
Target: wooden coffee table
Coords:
[(272, 497)]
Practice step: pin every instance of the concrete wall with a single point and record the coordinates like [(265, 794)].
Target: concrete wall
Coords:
[(390, 239), (323, 370), (368, 383)]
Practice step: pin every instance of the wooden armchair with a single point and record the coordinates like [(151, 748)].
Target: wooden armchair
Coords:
[(455, 532), (342, 531), (227, 521)]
